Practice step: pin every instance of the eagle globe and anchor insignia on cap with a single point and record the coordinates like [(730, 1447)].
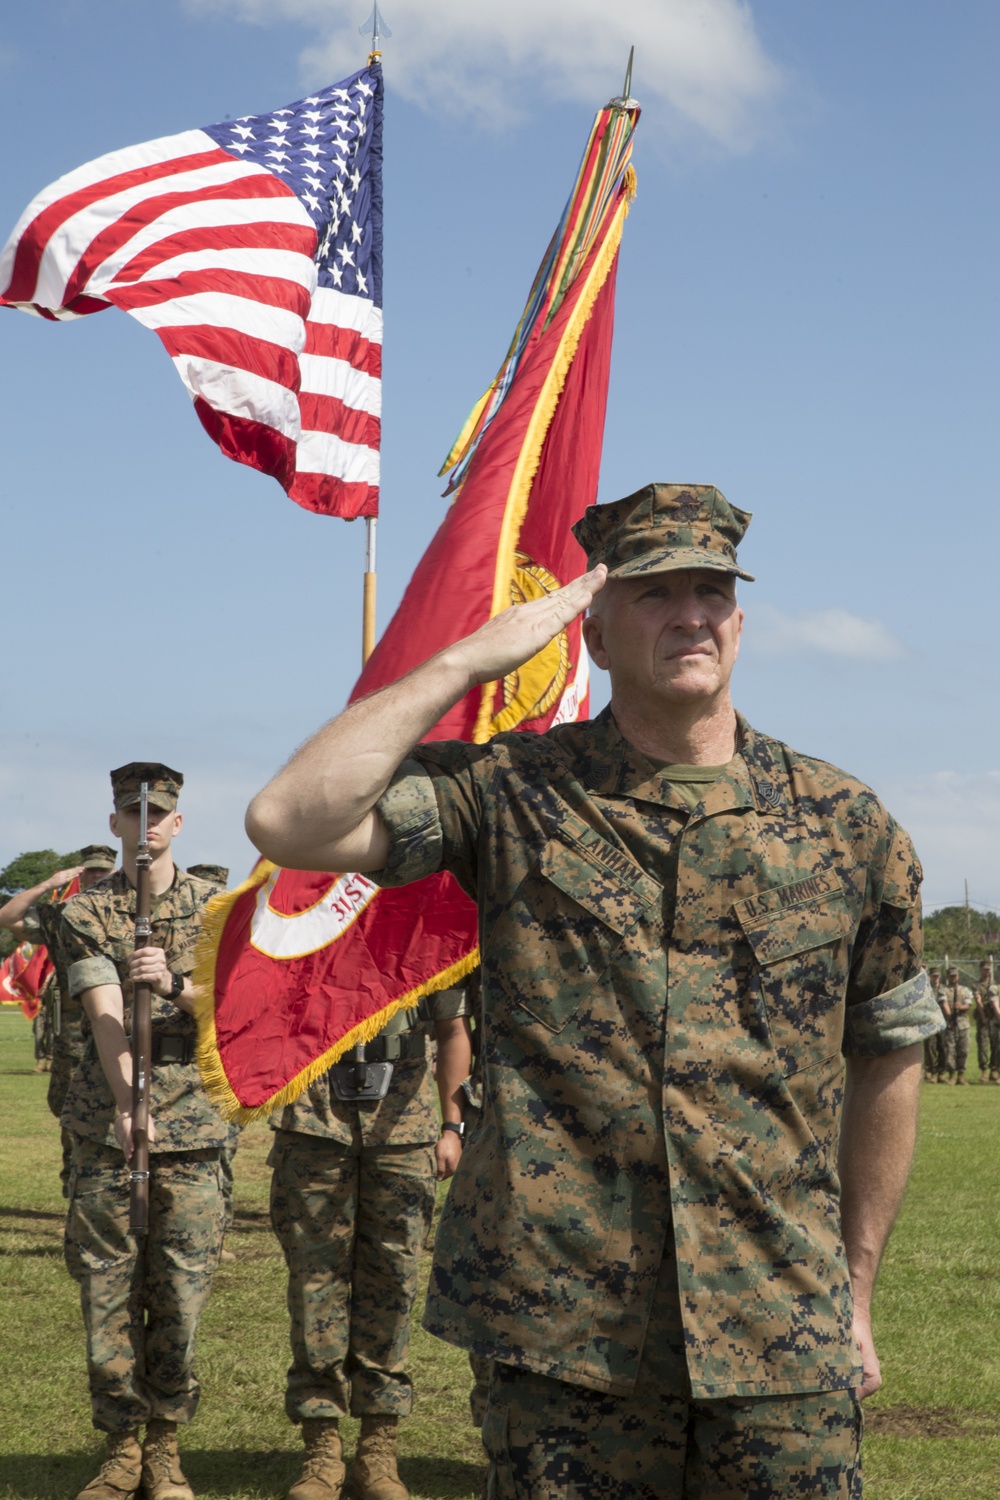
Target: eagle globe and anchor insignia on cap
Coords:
[(532, 689), (664, 528)]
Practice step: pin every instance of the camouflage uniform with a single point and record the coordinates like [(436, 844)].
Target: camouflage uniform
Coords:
[(352, 1199), (778, 919), (934, 1058), (42, 925), (141, 1305), (959, 1031), (988, 1030), (218, 876)]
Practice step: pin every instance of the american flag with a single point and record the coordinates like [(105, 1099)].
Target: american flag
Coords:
[(253, 248)]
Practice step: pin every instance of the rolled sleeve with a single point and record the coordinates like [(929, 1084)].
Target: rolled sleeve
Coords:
[(448, 1005), (409, 810), (33, 925), (88, 972), (898, 1018)]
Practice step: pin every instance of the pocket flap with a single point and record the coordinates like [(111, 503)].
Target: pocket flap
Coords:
[(794, 918), (616, 898)]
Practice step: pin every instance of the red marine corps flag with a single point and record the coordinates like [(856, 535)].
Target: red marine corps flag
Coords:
[(294, 968)]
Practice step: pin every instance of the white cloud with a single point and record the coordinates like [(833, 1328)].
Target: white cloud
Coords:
[(699, 63), (829, 632), (954, 820)]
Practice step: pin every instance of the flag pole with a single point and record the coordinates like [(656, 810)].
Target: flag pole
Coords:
[(368, 615), (378, 30)]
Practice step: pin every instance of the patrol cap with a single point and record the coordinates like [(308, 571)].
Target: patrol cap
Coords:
[(164, 784), (98, 857), (663, 528), (219, 874)]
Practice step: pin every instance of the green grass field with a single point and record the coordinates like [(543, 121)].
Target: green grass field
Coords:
[(933, 1430)]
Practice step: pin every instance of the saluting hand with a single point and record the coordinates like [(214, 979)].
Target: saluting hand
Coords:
[(517, 634)]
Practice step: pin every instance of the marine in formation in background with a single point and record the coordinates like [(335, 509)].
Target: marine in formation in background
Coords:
[(355, 1160), (956, 1004), (141, 1301), (934, 1048), (31, 917), (988, 1025)]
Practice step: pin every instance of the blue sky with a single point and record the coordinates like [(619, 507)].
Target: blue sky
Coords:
[(807, 304)]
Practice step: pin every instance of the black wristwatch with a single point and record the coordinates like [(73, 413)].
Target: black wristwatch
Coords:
[(458, 1126), (176, 985)]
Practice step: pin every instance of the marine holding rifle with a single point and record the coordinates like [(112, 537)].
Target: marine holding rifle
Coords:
[(141, 1294)]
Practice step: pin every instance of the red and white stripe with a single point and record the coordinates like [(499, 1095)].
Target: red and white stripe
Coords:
[(216, 255)]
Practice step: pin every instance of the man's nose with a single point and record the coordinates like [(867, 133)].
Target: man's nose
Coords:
[(689, 613)]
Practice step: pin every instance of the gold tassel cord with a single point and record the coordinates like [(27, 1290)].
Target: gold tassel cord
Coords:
[(534, 439)]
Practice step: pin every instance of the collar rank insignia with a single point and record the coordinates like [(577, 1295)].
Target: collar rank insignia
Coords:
[(768, 792)]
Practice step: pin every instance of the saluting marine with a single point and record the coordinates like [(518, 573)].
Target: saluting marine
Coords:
[(685, 927), (355, 1160), (27, 915)]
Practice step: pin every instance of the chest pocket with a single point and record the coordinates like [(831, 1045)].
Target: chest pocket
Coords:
[(565, 924), (800, 936)]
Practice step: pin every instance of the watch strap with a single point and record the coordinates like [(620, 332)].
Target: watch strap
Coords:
[(458, 1126)]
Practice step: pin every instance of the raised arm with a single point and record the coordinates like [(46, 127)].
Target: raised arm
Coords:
[(318, 812), (13, 913), (877, 1135)]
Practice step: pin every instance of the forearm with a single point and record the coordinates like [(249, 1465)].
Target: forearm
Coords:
[(454, 1060), (316, 814), (878, 1132), (103, 1005), (13, 914)]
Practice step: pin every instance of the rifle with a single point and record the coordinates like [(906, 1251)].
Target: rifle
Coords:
[(142, 1034)]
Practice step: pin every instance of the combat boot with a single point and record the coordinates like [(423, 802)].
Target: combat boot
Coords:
[(162, 1476), (121, 1472), (984, 1076), (960, 1078), (374, 1476), (323, 1471)]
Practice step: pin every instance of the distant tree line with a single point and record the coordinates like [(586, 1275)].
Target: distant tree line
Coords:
[(29, 869), (955, 930), (961, 932)]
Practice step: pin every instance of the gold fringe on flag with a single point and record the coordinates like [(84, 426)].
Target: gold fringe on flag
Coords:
[(215, 915)]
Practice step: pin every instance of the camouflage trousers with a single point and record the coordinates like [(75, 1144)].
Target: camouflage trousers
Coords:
[(64, 1060), (934, 1058), (352, 1222), (141, 1304), (988, 1045), (547, 1440), (956, 1049), (226, 1157)]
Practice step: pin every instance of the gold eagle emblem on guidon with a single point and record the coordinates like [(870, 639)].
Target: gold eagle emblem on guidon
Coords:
[(532, 690)]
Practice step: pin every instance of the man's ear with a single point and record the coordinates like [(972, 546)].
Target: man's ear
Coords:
[(593, 637), (113, 825)]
